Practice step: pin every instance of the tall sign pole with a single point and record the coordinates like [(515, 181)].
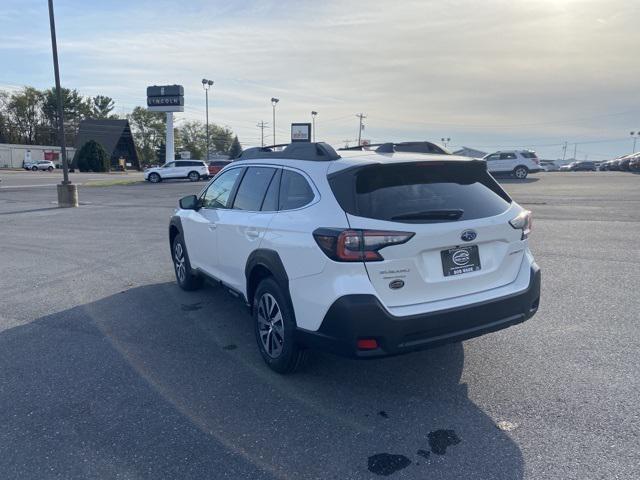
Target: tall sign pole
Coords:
[(169, 155), (67, 193)]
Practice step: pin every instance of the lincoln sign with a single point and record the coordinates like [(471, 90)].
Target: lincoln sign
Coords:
[(165, 98)]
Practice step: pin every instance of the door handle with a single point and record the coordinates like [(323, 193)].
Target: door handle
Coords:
[(212, 226), (253, 233)]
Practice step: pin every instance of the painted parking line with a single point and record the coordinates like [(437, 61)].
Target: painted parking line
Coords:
[(7, 187)]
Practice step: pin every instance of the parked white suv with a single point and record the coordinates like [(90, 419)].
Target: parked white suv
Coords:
[(194, 170), (365, 255), (519, 163), (41, 165)]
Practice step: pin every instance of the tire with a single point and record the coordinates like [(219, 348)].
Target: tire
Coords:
[(50, 169), (34, 168), (275, 328), (154, 178), (187, 279), (520, 172), (193, 176)]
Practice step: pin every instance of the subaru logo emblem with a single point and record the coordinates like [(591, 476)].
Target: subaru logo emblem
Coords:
[(468, 235)]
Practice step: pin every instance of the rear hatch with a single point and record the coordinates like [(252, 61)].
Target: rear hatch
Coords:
[(462, 243)]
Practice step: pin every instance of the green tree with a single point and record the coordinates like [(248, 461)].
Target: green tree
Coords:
[(191, 136), (92, 157), (24, 112), (236, 149), (221, 138), (148, 130), (75, 108), (101, 107)]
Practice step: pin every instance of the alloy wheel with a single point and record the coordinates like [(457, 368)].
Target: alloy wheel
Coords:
[(270, 325), (178, 258), (520, 173)]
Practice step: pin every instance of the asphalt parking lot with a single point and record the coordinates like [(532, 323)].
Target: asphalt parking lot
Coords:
[(108, 370)]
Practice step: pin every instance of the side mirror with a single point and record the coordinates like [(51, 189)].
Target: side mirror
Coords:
[(190, 202)]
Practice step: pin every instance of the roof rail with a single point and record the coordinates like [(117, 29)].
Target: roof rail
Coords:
[(319, 151), (411, 147)]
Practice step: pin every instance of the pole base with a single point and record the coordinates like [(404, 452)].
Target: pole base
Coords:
[(67, 195)]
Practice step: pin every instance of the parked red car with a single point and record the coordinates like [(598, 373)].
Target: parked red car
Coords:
[(216, 165)]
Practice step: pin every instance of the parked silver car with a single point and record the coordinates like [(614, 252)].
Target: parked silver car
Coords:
[(40, 165)]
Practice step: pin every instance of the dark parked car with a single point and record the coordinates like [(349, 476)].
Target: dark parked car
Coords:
[(605, 166), (583, 167), (624, 163), (216, 165), (615, 165), (634, 163)]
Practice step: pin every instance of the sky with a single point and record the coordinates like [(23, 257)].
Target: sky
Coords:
[(489, 75)]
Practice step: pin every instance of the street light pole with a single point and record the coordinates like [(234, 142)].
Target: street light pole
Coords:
[(206, 84), (274, 102), (67, 193), (313, 121), (360, 116), (445, 140), (635, 136)]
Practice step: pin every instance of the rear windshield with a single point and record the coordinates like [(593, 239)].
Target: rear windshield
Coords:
[(529, 154), (425, 192)]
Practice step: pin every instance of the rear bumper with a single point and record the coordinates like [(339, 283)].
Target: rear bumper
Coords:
[(355, 317)]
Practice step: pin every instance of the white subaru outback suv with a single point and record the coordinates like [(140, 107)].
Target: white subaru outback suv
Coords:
[(366, 255), (194, 170), (519, 163)]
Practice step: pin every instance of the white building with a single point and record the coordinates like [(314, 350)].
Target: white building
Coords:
[(14, 156)]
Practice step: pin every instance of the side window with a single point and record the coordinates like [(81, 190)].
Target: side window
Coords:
[(252, 190), (295, 192), (169, 165), (507, 156), (217, 195), (495, 156), (270, 203)]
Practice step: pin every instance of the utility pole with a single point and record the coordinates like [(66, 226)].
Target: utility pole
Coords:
[(313, 121), (564, 151), (262, 126), (361, 116), (67, 192)]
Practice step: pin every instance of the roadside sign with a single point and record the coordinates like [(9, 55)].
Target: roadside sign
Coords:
[(300, 132), (165, 98)]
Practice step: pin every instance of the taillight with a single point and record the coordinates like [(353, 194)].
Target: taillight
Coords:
[(357, 245), (524, 222)]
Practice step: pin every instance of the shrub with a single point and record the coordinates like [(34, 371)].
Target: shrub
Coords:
[(92, 157)]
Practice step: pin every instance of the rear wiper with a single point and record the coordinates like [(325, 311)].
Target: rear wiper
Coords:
[(453, 214)]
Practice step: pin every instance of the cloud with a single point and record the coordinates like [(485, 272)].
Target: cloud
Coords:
[(427, 68)]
